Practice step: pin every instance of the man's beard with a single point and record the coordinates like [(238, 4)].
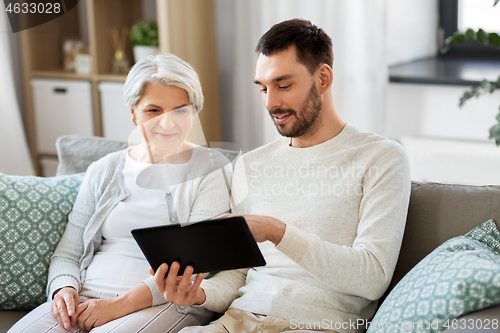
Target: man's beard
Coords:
[(306, 118)]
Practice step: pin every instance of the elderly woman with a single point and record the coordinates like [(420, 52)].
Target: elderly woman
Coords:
[(98, 277)]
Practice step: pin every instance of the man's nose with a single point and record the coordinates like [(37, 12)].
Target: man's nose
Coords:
[(272, 100)]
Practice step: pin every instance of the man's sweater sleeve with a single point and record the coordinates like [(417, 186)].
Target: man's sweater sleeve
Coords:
[(366, 268)]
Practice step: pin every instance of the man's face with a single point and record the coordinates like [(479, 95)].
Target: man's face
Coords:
[(289, 93)]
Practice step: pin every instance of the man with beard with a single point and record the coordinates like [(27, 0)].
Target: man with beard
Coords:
[(327, 204)]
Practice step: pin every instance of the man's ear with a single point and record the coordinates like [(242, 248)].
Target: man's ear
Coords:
[(325, 74)]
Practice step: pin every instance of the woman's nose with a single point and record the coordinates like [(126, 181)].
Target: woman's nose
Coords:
[(166, 120)]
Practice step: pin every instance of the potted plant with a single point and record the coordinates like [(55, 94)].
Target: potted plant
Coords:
[(491, 39), (144, 38)]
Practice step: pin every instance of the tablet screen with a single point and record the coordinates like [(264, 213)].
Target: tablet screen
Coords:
[(208, 246)]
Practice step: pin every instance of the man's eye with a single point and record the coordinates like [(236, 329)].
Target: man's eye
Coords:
[(284, 87), (153, 110), (263, 90)]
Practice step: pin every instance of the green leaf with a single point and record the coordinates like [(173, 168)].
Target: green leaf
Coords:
[(495, 132), (494, 39), (485, 84), (498, 81), (471, 34), (483, 36), (497, 118), (466, 96), (496, 1), (144, 33)]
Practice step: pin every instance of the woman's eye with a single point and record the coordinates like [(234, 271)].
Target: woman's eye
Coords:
[(153, 110), (180, 111)]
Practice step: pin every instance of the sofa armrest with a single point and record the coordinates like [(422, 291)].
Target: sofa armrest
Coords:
[(478, 319), (9, 318)]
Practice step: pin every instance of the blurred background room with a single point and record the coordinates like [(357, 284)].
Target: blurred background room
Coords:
[(66, 76)]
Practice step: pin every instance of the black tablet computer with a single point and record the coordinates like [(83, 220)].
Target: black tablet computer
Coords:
[(208, 246)]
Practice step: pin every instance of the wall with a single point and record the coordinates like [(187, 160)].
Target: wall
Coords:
[(445, 143)]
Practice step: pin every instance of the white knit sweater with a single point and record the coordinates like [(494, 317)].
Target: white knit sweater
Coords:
[(203, 195), (345, 203)]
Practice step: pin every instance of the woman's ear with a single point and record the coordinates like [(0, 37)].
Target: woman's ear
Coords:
[(132, 116), (325, 74)]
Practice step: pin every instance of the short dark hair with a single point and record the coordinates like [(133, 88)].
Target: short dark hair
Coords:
[(314, 46)]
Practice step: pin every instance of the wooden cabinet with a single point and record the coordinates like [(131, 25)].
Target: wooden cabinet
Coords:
[(186, 28)]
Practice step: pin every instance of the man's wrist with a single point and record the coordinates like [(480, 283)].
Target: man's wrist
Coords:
[(278, 232)]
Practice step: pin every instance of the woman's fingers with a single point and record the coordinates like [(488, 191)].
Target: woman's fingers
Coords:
[(171, 282), (64, 305), (78, 318), (195, 289), (85, 320), (59, 311), (183, 286), (160, 278), (55, 312), (70, 304), (179, 289)]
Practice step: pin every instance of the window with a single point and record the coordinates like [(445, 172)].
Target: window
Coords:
[(477, 14), (459, 15)]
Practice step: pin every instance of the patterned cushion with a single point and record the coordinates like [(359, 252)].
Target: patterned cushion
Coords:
[(33, 215), (460, 276)]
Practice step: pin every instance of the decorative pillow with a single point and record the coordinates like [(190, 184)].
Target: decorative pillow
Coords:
[(460, 276), (33, 215), (76, 152)]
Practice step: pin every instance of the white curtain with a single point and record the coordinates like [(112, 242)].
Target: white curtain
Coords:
[(15, 158), (358, 29)]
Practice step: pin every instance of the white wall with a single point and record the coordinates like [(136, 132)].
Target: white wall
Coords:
[(433, 111), (445, 143), (412, 30)]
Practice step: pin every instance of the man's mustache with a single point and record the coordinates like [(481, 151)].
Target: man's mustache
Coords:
[(279, 112)]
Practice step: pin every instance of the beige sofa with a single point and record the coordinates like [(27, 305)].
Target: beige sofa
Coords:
[(437, 212)]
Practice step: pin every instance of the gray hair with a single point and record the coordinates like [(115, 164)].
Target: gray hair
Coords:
[(166, 69)]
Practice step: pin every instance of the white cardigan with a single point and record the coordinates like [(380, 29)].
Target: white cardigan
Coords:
[(204, 194)]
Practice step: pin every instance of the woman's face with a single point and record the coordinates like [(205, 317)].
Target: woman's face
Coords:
[(164, 116)]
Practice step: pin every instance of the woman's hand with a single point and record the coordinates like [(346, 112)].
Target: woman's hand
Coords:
[(97, 312), (64, 306), (179, 289)]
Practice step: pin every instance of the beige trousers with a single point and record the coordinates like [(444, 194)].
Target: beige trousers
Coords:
[(239, 321)]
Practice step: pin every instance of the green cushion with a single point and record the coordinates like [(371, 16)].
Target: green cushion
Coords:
[(460, 276), (33, 215)]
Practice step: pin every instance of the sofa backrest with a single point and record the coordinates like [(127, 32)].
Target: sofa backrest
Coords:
[(438, 212), (76, 153)]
